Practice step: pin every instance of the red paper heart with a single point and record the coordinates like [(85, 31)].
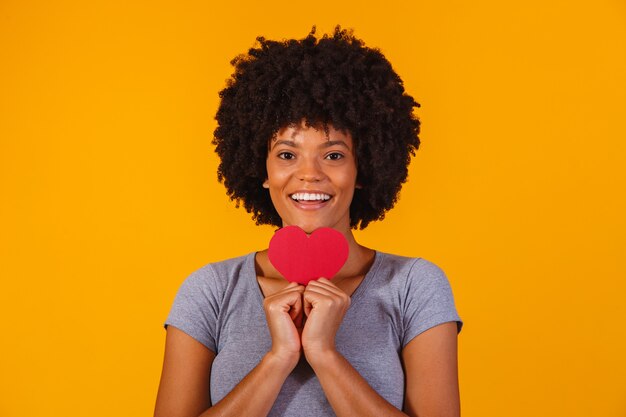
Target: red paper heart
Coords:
[(301, 258)]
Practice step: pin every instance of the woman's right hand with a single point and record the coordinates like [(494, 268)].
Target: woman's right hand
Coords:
[(284, 313)]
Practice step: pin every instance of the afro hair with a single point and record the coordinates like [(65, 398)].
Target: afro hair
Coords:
[(333, 80)]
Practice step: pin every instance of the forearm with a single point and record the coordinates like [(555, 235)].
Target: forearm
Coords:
[(254, 396), (347, 391)]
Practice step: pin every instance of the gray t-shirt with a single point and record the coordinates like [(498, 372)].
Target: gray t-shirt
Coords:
[(221, 306)]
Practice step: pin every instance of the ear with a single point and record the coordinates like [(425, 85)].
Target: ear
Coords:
[(266, 184)]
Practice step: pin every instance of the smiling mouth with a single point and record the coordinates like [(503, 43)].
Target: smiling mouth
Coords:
[(310, 198)]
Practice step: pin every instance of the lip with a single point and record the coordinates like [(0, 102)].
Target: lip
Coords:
[(310, 205), (310, 192)]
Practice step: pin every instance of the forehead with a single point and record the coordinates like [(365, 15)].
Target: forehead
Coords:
[(316, 133)]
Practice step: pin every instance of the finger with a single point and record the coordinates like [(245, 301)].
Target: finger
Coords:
[(295, 312), (316, 294), (290, 289), (313, 296), (293, 299), (284, 301), (320, 282), (298, 320), (308, 306), (288, 300), (328, 288), (324, 291), (326, 284), (292, 286)]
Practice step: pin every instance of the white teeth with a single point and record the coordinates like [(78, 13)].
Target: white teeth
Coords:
[(310, 197)]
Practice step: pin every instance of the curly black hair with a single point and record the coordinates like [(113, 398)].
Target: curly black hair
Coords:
[(334, 80)]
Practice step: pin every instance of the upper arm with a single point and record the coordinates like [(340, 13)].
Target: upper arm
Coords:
[(184, 387), (431, 368)]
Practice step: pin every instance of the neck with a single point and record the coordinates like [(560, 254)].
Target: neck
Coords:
[(360, 258)]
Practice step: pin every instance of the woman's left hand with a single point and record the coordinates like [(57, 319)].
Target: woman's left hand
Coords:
[(325, 305)]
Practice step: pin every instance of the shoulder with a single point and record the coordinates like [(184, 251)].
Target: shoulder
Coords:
[(419, 289), (200, 298), (216, 277), (412, 270), (422, 284)]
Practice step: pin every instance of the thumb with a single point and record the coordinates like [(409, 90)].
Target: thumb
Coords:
[(295, 312)]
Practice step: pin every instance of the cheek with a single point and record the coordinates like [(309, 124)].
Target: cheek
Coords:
[(276, 178), (347, 178)]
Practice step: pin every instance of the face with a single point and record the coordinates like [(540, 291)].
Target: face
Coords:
[(311, 177)]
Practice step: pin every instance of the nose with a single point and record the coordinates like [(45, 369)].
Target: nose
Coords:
[(310, 170)]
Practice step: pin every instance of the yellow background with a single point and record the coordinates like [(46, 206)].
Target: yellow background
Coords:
[(109, 197)]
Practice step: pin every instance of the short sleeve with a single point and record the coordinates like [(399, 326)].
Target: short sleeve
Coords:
[(428, 300), (196, 308)]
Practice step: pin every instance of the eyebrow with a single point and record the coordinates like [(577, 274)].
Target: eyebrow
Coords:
[(326, 144)]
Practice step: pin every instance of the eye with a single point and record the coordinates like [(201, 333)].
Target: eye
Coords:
[(286, 155), (334, 156)]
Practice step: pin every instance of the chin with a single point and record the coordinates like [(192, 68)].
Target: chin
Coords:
[(307, 227), (311, 226)]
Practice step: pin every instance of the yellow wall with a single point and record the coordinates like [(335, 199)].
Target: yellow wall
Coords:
[(109, 197)]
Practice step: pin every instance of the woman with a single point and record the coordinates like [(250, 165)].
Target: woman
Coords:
[(314, 133)]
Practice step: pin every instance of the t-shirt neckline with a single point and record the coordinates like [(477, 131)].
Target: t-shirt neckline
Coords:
[(369, 276)]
